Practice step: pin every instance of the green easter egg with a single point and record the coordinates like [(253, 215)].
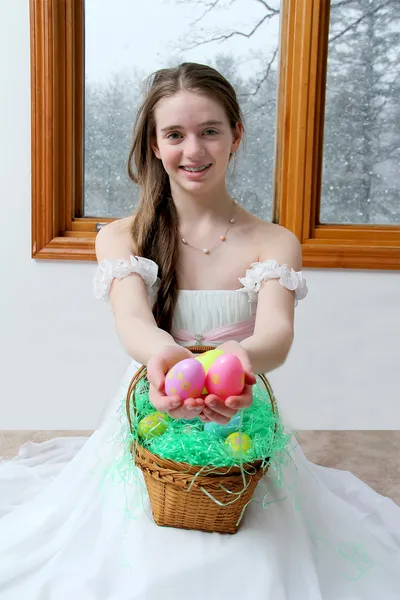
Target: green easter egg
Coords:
[(239, 443), (153, 425)]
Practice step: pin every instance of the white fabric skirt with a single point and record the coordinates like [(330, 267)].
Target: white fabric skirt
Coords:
[(67, 531)]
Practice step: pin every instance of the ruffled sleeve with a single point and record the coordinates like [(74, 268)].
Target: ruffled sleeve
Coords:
[(108, 270), (270, 269)]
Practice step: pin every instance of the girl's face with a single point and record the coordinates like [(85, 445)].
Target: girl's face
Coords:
[(194, 141)]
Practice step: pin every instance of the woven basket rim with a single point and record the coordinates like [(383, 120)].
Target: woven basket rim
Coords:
[(184, 467)]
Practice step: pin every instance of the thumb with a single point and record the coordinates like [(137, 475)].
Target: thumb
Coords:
[(159, 379), (156, 374), (250, 378)]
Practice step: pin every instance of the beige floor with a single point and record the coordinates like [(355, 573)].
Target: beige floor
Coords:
[(374, 456)]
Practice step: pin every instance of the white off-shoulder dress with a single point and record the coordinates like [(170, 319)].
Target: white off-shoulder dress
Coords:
[(69, 530)]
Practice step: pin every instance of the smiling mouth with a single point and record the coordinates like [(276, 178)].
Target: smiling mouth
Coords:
[(195, 169)]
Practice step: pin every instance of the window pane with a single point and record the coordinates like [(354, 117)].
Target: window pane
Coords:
[(126, 40), (361, 175)]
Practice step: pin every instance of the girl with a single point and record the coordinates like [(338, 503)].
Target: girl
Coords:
[(192, 266)]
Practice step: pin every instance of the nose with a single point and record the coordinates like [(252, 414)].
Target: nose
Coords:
[(194, 148)]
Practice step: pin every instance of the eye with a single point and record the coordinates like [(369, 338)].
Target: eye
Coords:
[(174, 133), (211, 132)]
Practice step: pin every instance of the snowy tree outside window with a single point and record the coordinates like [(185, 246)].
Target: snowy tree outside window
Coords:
[(361, 174), (127, 40)]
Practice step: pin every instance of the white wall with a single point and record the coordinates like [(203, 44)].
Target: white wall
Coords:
[(61, 360)]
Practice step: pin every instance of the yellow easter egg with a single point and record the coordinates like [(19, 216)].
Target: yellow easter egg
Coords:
[(239, 443), (207, 359), (153, 425)]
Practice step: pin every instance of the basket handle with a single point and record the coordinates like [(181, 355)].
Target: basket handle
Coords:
[(141, 372)]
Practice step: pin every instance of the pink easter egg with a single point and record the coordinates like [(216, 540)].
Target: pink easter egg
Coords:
[(186, 379), (225, 377)]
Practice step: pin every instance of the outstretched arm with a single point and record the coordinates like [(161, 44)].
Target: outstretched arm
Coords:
[(135, 324), (133, 317), (272, 339)]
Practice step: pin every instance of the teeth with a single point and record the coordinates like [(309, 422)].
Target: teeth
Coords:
[(195, 169)]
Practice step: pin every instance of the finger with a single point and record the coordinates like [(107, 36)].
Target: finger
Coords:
[(244, 359), (246, 364), (156, 375), (164, 403), (249, 378), (243, 401), (185, 413), (204, 417), (217, 405), (193, 402), (160, 371), (216, 417)]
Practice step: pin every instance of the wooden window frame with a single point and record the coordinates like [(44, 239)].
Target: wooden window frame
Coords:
[(299, 153), (59, 230)]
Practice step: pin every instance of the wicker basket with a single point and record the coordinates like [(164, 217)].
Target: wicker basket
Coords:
[(180, 497)]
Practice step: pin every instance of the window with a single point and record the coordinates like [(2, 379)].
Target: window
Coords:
[(302, 122), (334, 179), (360, 176), (167, 33)]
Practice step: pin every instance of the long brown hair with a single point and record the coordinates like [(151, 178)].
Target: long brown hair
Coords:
[(155, 229)]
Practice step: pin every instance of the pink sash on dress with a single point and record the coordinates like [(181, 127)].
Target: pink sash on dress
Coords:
[(233, 331)]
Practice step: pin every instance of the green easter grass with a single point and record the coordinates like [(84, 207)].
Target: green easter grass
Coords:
[(187, 441)]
